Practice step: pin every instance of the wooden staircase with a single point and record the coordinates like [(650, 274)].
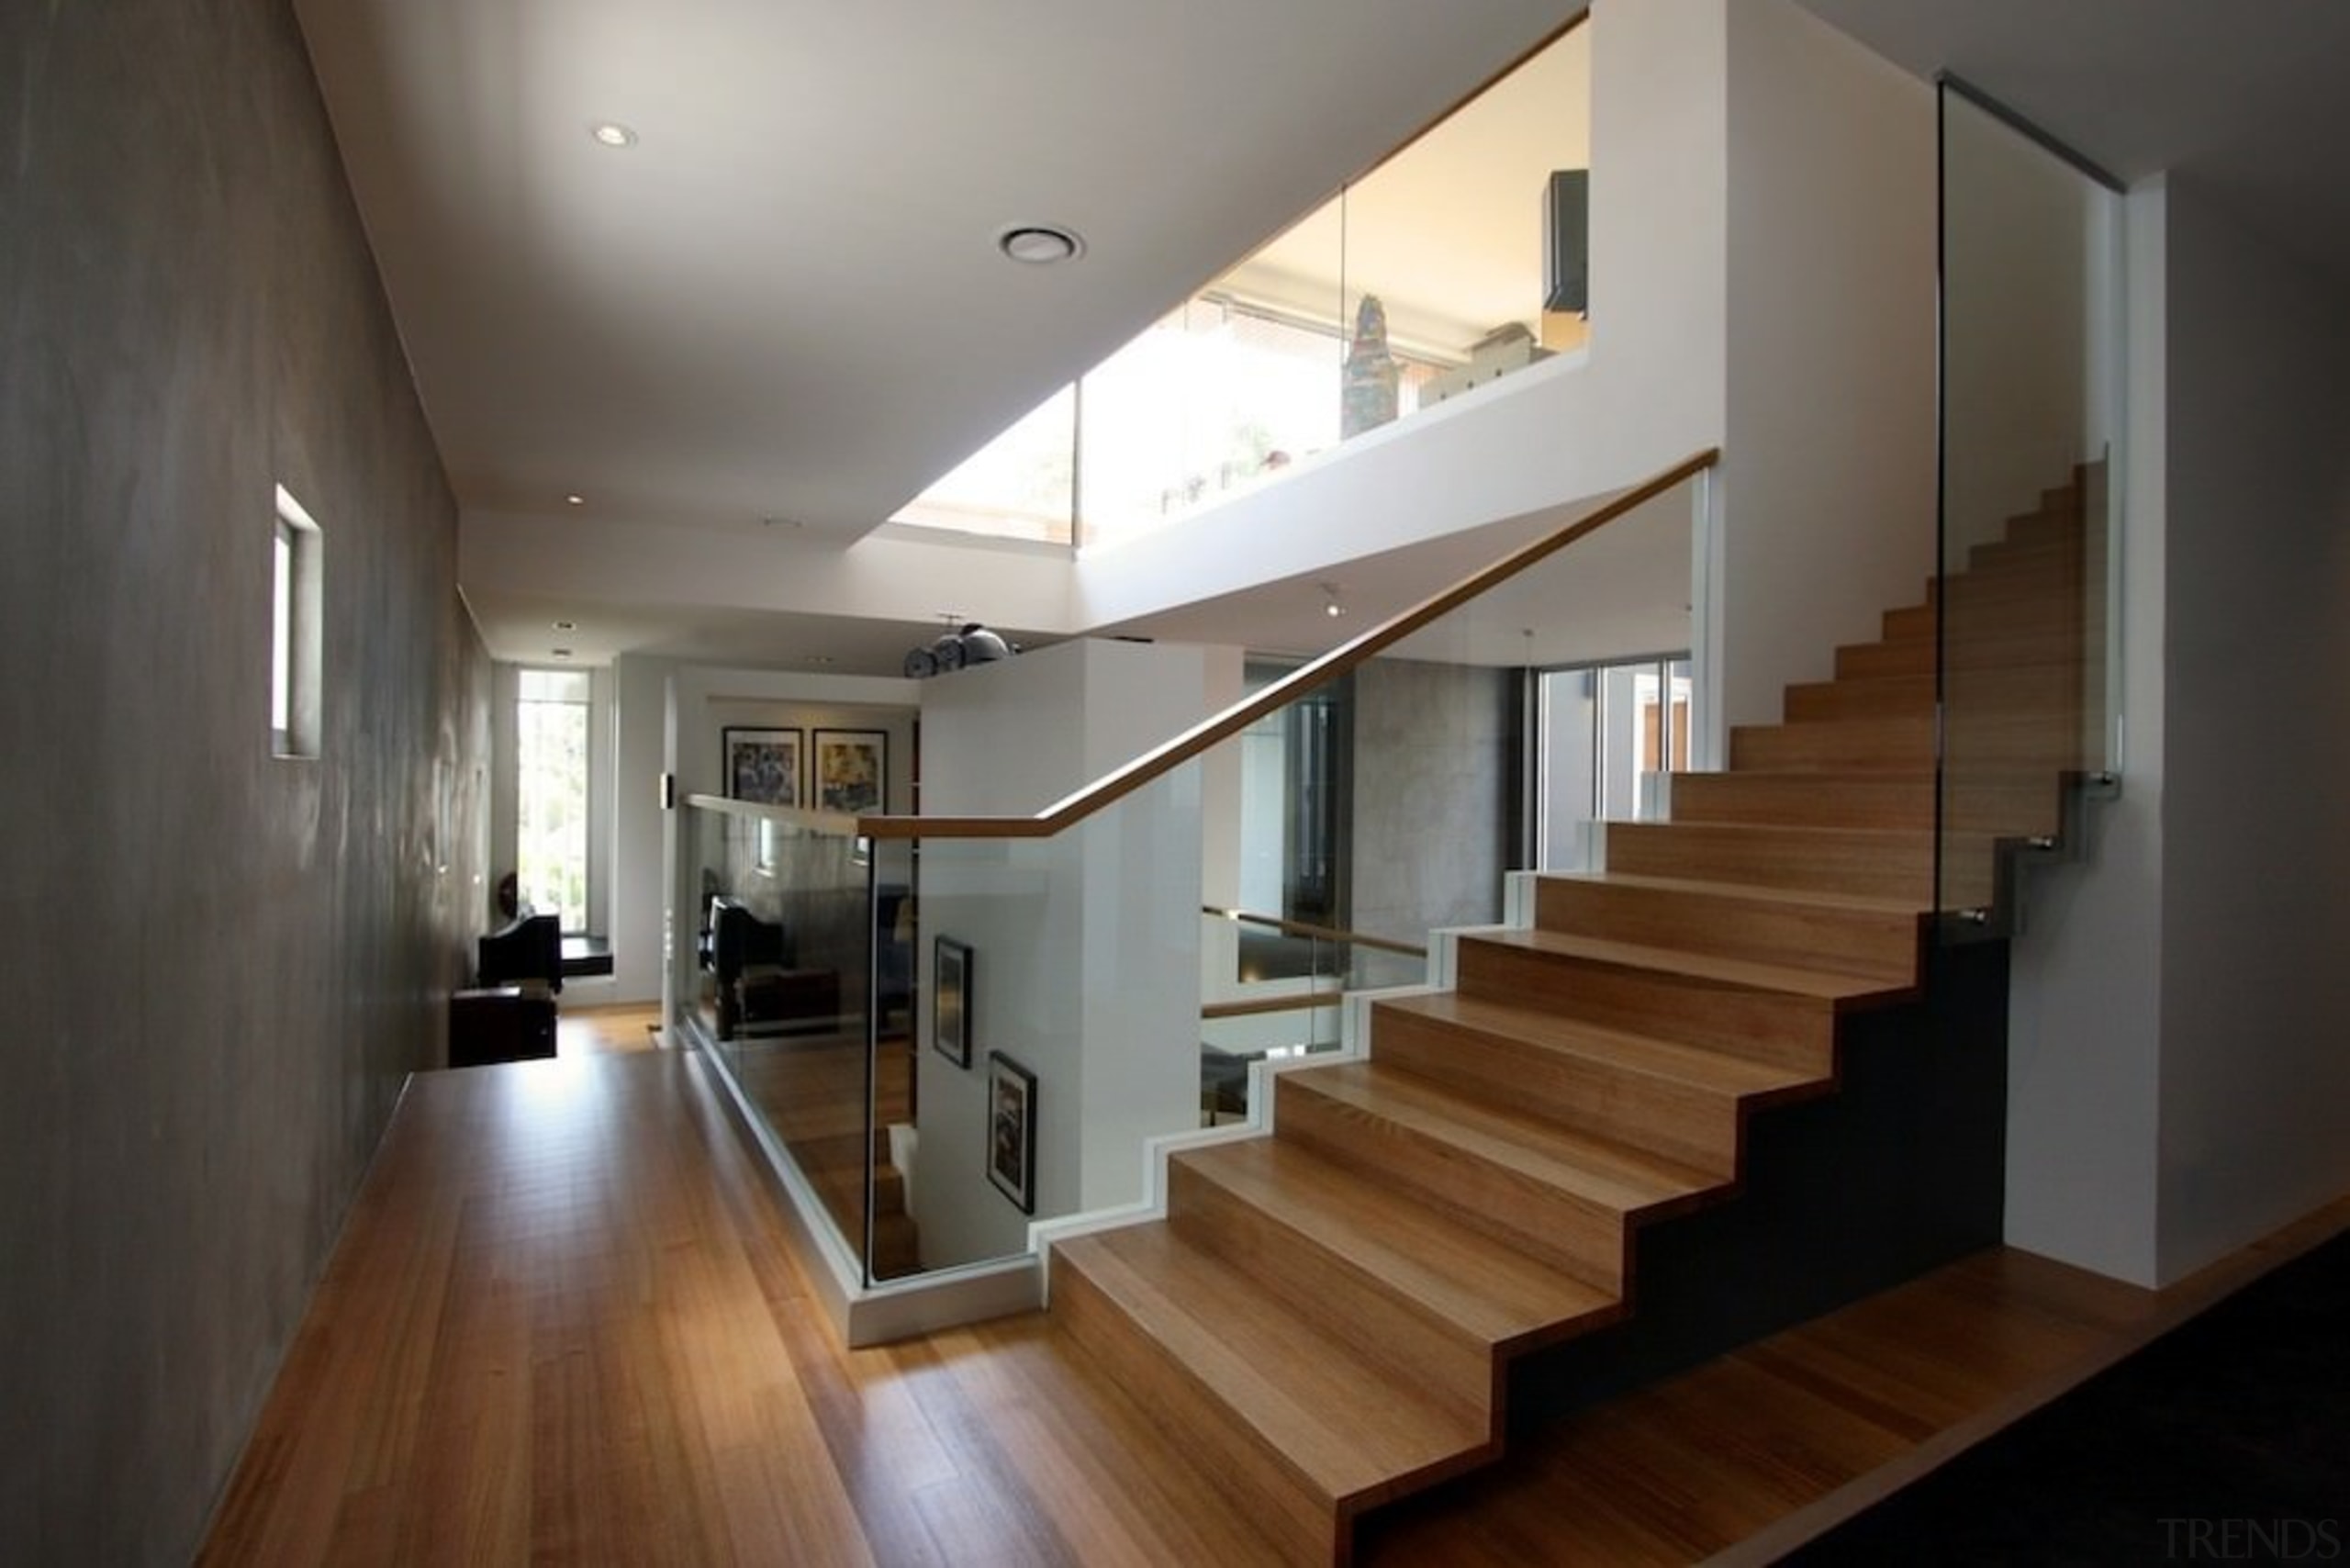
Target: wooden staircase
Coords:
[(1328, 1313)]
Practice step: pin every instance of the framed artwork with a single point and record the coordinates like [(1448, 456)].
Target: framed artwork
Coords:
[(852, 767), (950, 1000), (1012, 1130), (763, 766)]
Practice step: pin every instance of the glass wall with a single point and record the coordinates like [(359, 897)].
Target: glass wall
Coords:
[(2031, 335), (1453, 264)]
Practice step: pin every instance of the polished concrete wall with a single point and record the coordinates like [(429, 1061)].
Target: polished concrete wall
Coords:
[(220, 966), (1434, 761)]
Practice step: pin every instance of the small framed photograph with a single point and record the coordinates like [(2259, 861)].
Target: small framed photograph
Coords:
[(950, 1000), (852, 771), (763, 766), (1012, 1130)]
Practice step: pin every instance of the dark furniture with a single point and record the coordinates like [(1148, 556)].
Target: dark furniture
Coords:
[(757, 990), (501, 1023), (525, 951)]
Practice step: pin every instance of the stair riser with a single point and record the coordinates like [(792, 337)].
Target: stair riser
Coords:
[(1764, 1026), (1892, 864), (1561, 1227), (1905, 744), (1679, 1121), (1332, 1291), (1873, 661), (1891, 697), (1880, 945), (2020, 598), (2060, 622), (2048, 547), (2028, 689), (1804, 800), (1915, 656), (1251, 1474), (2022, 805)]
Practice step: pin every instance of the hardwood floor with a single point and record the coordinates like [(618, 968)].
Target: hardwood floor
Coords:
[(564, 1323), (586, 1031)]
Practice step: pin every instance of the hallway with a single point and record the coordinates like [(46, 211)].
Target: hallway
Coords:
[(564, 1323)]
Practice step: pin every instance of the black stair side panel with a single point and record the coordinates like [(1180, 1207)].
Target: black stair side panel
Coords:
[(1900, 1170)]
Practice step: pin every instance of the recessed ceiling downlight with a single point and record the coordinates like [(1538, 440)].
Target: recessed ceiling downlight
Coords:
[(612, 133), (1040, 244)]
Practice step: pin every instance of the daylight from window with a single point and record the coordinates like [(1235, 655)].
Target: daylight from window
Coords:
[(551, 828)]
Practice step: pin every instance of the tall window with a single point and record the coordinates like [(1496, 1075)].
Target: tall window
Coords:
[(296, 598), (1603, 732), (551, 831)]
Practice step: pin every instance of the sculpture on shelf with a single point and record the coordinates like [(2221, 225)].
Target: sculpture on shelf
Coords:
[(974, 644), (1368, 398)]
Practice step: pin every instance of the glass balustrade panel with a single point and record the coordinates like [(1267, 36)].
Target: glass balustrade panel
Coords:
[(779, 987), (1458, 261), (1046, 1006), (2017, 627), (1464, 252)]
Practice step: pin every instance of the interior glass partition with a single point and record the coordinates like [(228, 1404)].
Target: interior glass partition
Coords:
[(2020, 643), (1041, 998)]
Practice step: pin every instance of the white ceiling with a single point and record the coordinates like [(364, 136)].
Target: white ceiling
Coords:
[(786, 299), (785, 302), (2243, 98)]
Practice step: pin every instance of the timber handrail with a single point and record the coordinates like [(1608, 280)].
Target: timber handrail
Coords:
[(1320, 932), (1296, 1001), (1342, 660), (823, 824)]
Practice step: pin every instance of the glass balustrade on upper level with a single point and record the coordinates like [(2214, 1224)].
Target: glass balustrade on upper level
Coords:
[(1455, 261)]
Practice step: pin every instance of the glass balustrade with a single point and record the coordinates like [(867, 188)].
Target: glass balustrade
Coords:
[(1274, 990), (956, 1028), (1454, 263), (2018, 635), (791, 978)]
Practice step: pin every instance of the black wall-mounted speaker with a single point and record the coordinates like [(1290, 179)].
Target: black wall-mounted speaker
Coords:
[(1566, 241)]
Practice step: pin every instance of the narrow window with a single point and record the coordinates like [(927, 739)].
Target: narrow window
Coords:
[(296, 576), (551, 831)]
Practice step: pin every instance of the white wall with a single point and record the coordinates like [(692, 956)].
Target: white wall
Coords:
[(640, 828), (2084, 1013), (2179, 1086), (2255, 996), (1829, 485), (1085, 946)]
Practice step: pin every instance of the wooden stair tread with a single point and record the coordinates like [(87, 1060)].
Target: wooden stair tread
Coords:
[(1347, 1430), (1491, 1291), (1603, 1173), (1633, 1053), (1826, 985), (1748, 890)]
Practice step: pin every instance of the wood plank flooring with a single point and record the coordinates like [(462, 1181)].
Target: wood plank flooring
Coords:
[(565, 1323)]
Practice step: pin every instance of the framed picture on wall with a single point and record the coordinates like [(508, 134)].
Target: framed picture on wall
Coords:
[(852, 771), (1012, 1130), (764, 765), (950, 1000)]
